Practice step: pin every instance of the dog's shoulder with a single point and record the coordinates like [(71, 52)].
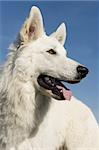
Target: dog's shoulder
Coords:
[(75, 110), (81, 110), (77, 120)]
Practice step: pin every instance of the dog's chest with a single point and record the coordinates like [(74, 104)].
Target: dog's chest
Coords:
[(52, 131)]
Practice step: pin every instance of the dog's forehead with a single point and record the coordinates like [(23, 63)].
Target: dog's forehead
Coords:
[(44, 44), (49, 40)]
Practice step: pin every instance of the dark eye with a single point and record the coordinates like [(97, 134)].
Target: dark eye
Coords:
[(51, 51)]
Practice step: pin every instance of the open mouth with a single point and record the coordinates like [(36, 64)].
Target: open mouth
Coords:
[(59, 90)]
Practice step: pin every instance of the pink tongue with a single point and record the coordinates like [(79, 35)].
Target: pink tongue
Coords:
[(66, 93)]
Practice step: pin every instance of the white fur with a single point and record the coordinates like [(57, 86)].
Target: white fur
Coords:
[(30, 118)]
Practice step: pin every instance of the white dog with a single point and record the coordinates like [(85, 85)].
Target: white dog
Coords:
[(37, 112)]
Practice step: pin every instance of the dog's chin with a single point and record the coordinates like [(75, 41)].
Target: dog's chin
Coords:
[(53, 87), (49, 94), (56, 97)]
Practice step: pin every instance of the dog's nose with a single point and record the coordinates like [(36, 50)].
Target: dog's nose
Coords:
[(82, 71)]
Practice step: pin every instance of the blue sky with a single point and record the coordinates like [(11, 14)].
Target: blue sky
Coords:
[(82, 19)]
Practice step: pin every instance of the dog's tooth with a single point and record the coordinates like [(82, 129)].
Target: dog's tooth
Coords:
[(53, 84), (49, 81)]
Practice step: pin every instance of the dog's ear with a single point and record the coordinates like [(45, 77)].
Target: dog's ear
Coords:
[(60, 33), (33, 27)]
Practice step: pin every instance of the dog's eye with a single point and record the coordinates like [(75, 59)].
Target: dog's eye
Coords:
[(51, 51)]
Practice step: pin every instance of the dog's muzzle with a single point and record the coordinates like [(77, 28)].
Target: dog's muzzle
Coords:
[(56, 86)]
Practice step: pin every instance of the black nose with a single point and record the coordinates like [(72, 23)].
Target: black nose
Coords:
[(82, 71)]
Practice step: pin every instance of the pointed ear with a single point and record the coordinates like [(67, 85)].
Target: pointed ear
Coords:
[(60, 34), (33, 27)]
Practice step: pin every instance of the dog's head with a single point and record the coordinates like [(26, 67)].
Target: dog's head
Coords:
[(42, 60)]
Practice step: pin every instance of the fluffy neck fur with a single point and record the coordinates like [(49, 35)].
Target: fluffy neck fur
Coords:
[(22, 108)]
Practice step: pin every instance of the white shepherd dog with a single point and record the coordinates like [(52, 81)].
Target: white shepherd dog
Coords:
[(37, 112)]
